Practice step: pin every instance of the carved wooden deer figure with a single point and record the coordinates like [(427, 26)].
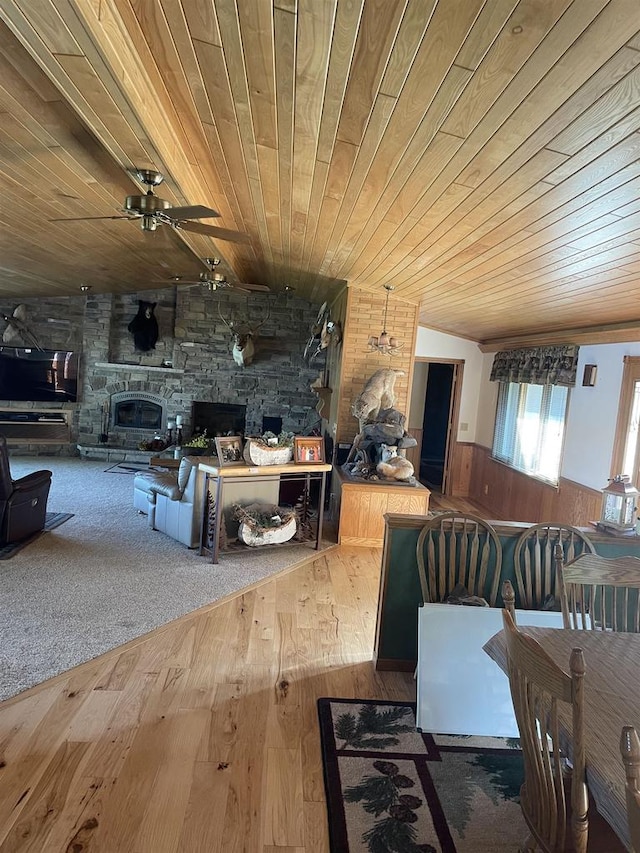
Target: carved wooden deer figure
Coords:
[(243, 334)]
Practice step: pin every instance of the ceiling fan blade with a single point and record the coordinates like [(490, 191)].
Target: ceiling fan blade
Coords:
[(214, 231), (83, 218), (256, 287), (194, 211)]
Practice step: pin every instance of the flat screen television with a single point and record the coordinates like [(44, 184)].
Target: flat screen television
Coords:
[(38, 375)]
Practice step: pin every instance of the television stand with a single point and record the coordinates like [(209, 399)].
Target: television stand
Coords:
[(35, 426)]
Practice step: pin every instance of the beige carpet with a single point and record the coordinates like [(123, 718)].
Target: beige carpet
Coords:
[(104, 577)]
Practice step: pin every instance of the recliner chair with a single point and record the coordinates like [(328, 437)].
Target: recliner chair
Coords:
[(171, 501), (23, 502)]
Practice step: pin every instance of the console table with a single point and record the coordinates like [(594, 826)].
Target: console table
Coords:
[(252, 482)]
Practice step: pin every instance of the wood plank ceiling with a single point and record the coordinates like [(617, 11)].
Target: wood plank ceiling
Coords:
[(482, 156)]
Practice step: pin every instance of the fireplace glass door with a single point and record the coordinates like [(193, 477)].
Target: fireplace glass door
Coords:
[(138, 414)]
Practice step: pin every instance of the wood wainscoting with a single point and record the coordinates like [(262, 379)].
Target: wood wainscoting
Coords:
[(461, 465), (413, 453), (506, 493)]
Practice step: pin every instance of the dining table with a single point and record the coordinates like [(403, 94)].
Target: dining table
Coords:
[(611, 701)]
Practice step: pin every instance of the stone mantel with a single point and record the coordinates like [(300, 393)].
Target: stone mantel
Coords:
[(131, 367)]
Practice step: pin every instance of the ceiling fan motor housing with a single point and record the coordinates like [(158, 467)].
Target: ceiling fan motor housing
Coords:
[(144, 205)]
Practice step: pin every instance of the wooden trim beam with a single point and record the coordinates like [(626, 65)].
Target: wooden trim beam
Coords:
[(614, 333)]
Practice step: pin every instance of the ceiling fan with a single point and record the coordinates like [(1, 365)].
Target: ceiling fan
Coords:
[(217, 281), (152, 211)]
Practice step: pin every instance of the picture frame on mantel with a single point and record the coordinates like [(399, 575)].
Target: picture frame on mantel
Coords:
[(229, 450), (308, 450)]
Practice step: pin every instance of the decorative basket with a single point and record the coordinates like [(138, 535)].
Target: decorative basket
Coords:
[(196, 451), (256, 453), (251, 533)]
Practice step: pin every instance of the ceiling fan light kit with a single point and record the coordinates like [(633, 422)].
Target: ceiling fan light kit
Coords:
[(213, 282), (385, 343)]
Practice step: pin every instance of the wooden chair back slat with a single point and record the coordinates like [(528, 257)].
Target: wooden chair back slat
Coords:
[(470, 548), (458, 549), (630, 749), (451, 561)]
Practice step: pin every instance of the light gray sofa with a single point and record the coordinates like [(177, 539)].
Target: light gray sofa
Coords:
[(172, 501)]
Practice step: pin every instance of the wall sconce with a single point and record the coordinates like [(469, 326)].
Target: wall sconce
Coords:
[(385, 343), (589, 375)]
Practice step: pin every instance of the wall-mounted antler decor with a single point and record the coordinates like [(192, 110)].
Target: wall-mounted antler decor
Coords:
[(243, 336), (18, 329), (323, 332)]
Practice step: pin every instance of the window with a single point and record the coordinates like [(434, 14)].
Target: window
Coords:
[(530, 428)]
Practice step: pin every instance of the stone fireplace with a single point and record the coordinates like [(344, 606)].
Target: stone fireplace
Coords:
[(125, 396)]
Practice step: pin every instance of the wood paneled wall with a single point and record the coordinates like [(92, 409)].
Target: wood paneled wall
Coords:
[(364, 318), (506, 493), (413, 453), (462, 454)]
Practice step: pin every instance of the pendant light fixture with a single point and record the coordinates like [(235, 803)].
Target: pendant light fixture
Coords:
[(385, 343)]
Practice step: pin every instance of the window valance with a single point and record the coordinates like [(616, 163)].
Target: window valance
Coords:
[(555, 365)]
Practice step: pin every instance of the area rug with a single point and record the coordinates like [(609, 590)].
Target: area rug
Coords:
[(52, 520), (391, 788), (127, 468)]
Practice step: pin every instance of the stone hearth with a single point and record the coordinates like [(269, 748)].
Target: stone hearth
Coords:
[(114, 454)]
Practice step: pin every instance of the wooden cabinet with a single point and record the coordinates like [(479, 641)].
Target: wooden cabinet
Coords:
[(364, 504)]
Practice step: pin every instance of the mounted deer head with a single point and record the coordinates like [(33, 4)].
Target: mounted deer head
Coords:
[(243, 334)]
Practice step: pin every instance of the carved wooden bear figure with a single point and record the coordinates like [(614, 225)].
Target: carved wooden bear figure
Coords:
[(144, 327)]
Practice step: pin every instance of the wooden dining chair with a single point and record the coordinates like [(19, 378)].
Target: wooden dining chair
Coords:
[(597, 593), (456, 548), (534, 560), (554, 803), (630, 749)]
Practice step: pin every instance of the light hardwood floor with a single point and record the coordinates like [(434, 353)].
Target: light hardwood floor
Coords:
[(203, 735)]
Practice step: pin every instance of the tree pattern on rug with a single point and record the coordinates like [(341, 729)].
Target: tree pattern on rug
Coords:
[(380, 794), (393, 789), (374, 728)]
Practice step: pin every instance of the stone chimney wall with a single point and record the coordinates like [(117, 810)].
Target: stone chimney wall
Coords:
[(196, 345)]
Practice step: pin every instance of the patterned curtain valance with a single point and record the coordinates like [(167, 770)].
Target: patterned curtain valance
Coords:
[(537, 365)]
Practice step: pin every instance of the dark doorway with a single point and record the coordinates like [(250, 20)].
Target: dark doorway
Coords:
[(435, 426)]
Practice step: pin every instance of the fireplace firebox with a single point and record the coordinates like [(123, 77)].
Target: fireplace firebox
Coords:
[(218, 418), (137, 412)]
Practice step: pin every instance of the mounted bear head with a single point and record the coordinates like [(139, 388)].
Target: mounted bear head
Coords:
[(144, 327)]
